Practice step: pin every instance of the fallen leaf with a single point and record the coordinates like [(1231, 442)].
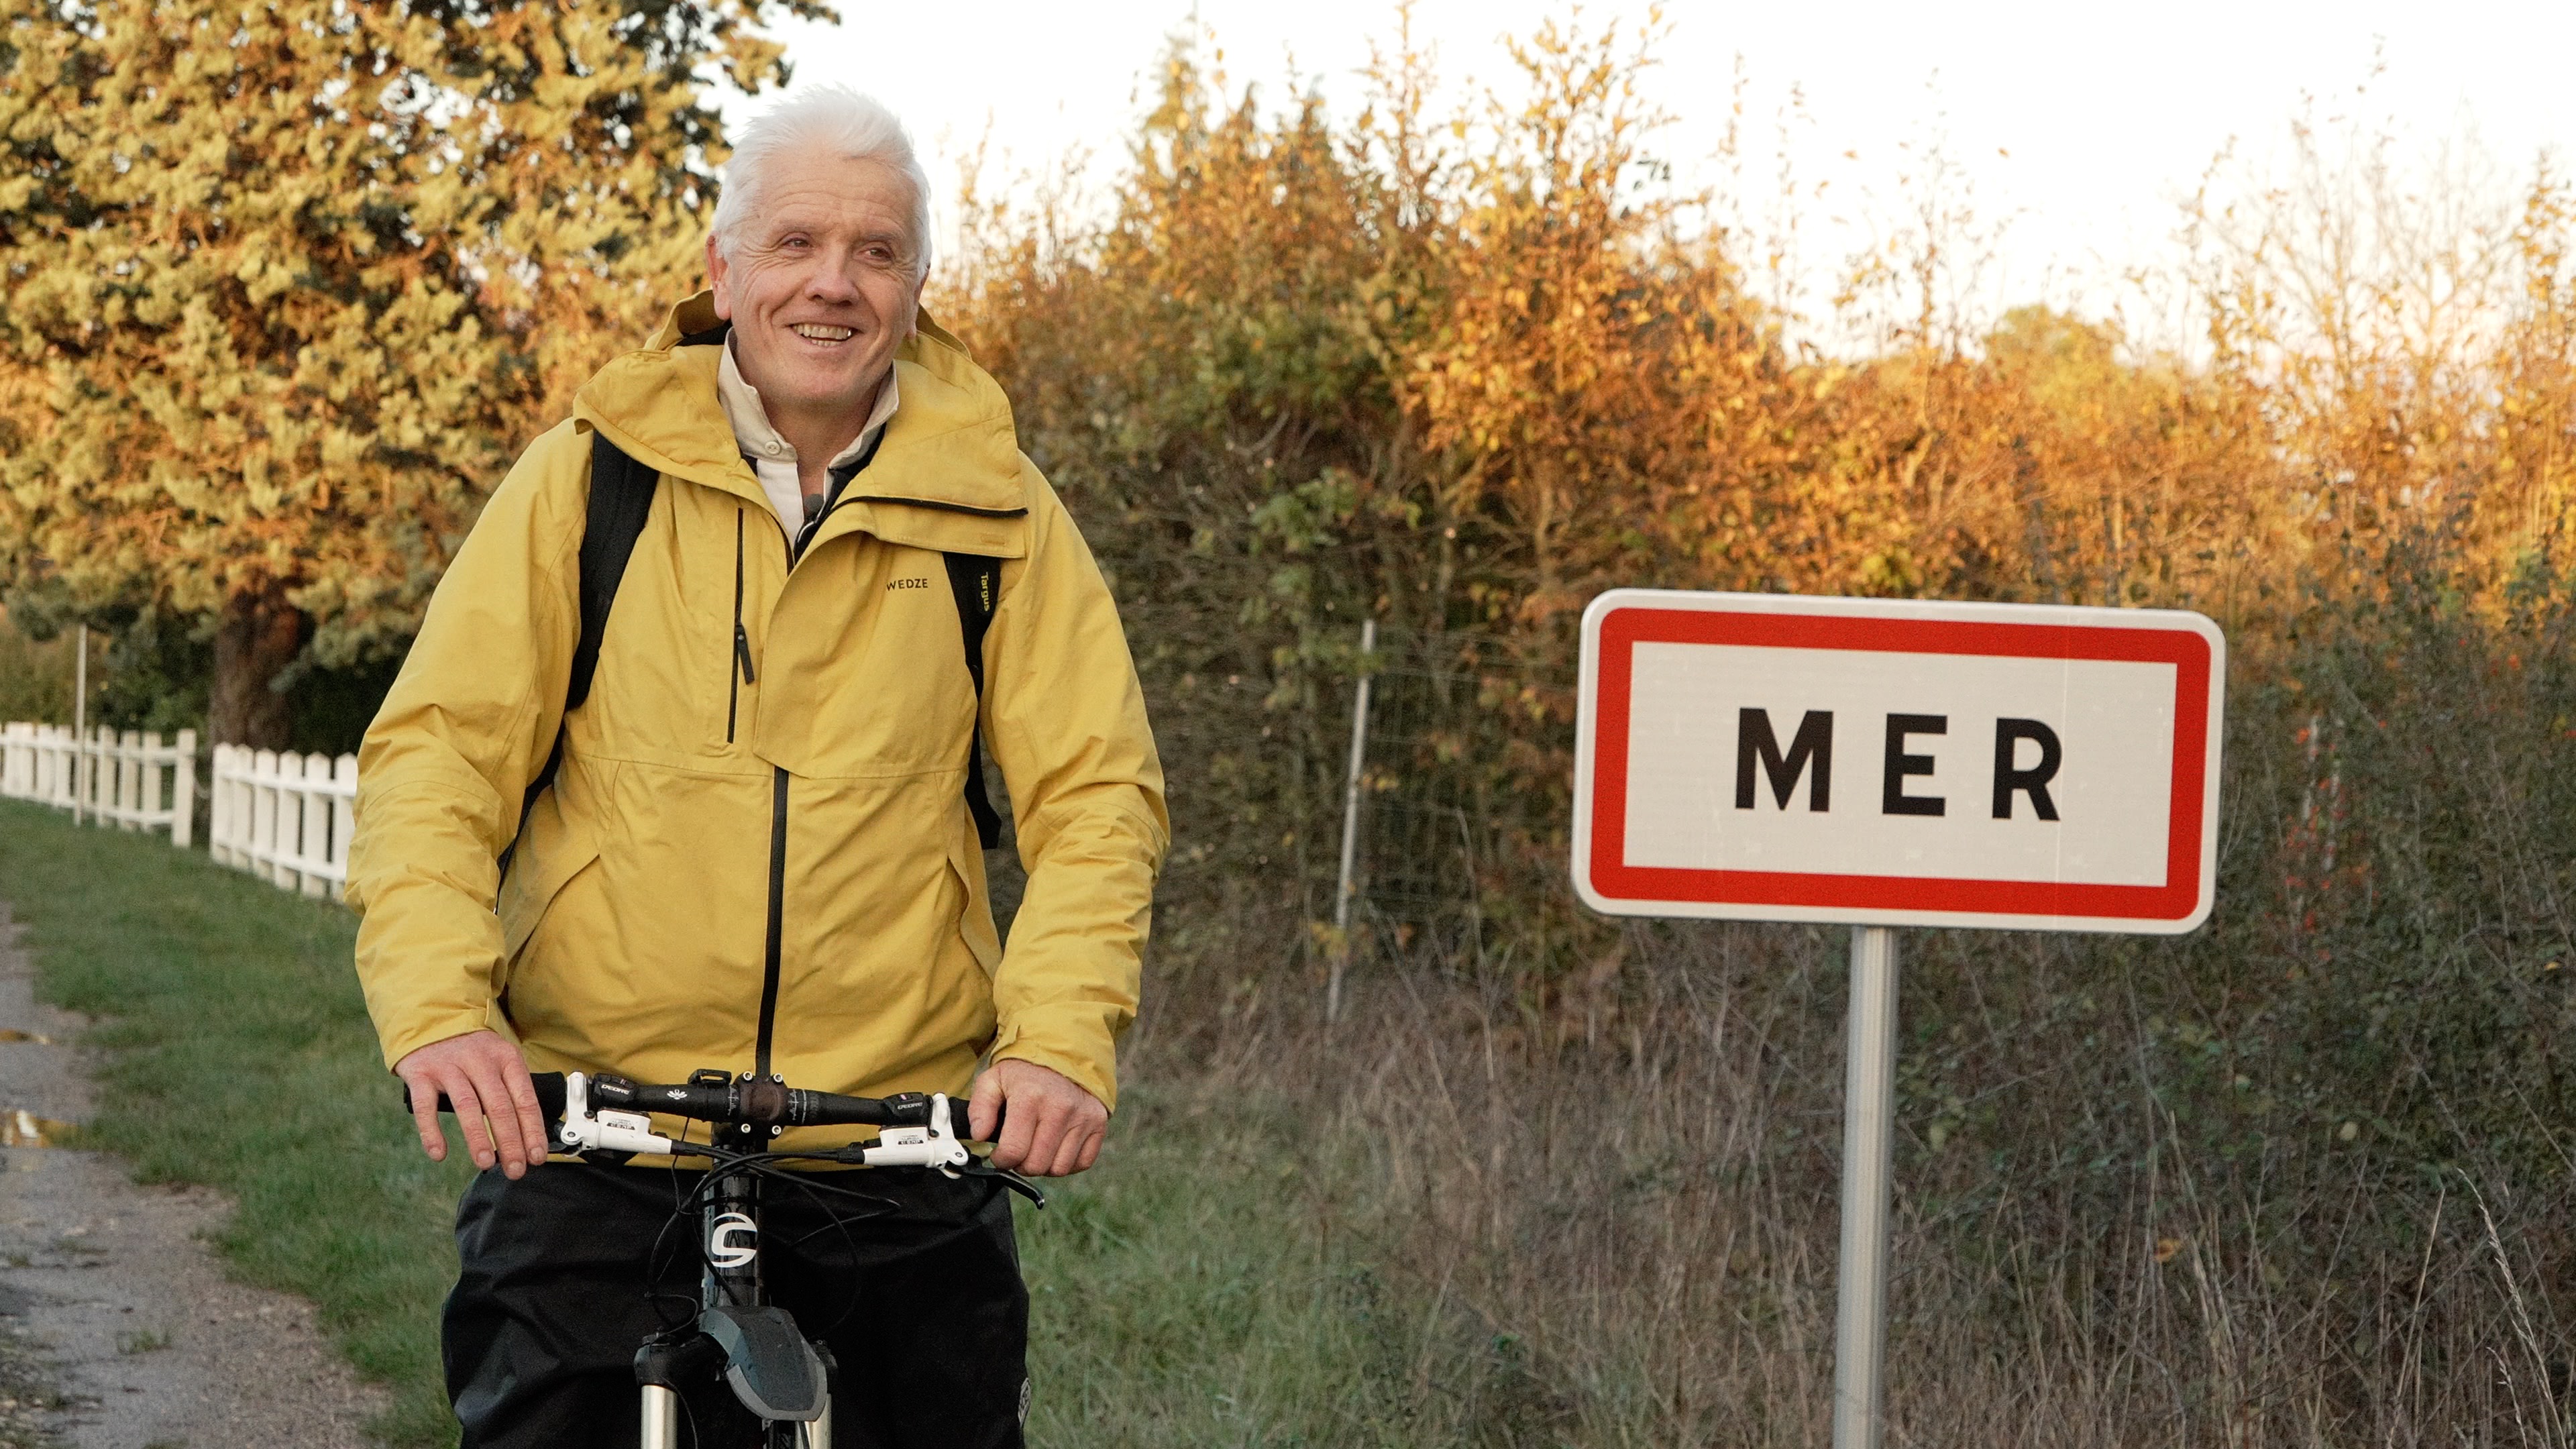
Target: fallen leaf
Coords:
[(22, 1128)]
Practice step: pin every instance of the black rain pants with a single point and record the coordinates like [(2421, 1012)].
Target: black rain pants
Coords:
[(540, 1334)]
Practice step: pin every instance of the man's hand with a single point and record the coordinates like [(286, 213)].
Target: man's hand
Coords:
[(1053, 1127), (484, 1077)]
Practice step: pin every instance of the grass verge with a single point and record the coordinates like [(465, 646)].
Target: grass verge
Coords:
[(237, 1054), (1194, 1291), (1188, 1292)]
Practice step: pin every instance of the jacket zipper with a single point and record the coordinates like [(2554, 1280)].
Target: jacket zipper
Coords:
[(805, 535), (936, 506), (741, 673), (777, 913), (832, 501), (778, 775)]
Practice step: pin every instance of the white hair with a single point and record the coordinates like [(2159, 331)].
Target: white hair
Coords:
[(853, 126)]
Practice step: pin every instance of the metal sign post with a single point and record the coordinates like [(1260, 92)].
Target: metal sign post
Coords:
[(80, 721), (1894, 762), (1869, 1130)]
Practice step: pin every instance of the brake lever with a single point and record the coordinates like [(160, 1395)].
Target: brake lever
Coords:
[(982, 1167), (608, 1130)]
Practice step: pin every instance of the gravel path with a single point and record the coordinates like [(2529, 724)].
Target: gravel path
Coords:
[(118, 1328)]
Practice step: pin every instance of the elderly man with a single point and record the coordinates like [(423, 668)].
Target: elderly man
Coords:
[(752, 843)]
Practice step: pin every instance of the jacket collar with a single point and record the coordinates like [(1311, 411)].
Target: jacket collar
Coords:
[(946, 476)]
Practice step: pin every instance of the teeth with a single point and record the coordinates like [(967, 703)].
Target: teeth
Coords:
[(821, 333)]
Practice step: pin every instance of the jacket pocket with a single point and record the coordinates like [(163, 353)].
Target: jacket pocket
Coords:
[(975, 914), (555, 849)]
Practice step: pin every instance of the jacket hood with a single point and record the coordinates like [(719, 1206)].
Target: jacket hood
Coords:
[(952, 445)]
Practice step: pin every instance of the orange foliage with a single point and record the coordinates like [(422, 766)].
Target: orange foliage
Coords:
[(1462, 373)]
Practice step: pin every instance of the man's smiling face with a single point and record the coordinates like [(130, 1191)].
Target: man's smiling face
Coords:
[(822, 285)]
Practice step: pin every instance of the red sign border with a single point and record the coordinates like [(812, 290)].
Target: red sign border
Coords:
[(1624, 627)]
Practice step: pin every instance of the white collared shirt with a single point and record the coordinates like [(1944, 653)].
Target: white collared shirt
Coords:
[(773, 458)]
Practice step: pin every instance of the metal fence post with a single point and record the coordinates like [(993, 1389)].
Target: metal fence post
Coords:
[(1348, 884), (80, 716)]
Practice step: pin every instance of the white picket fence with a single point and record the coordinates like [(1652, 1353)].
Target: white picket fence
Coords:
[(283, 817), (130, 780)]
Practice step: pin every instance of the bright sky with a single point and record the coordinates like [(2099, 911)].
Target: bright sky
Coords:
[(2109, 113)]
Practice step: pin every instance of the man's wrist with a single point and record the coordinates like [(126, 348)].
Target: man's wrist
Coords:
[(398, 1048), (1081, 1073)]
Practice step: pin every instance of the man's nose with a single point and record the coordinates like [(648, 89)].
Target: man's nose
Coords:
[(833, 282)]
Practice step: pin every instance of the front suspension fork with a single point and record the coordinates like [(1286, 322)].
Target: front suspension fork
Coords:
[(662, 1422), (661, 1418)]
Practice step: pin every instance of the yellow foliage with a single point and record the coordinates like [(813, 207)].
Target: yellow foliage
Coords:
[(289, 282)]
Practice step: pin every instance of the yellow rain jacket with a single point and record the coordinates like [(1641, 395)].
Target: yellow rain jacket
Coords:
[(760, 858)]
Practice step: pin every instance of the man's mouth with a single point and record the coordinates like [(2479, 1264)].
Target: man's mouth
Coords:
[(822, 332)]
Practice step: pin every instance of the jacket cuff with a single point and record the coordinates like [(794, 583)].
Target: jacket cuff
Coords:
[(430, 1029), (1071, 1040)]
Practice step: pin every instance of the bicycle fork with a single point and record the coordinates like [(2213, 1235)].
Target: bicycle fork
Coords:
[(662, 1422)]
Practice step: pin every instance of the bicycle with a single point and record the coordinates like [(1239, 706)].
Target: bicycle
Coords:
[(782, 1377)]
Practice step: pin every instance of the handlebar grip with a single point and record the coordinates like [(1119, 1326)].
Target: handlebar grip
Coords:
[(550, 1097), (959, 1122)]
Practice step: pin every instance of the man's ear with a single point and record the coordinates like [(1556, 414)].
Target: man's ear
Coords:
[(717, 276)]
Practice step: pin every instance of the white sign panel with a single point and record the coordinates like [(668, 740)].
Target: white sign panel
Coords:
[(1893, 762)]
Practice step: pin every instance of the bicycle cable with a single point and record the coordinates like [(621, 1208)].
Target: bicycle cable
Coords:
[(760, 1165)]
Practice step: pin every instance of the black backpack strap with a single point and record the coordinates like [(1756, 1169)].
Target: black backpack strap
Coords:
[(977, 582), (621, 497)]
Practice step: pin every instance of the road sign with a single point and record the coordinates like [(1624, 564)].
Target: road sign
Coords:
[(1888, 762), (1894, 762)]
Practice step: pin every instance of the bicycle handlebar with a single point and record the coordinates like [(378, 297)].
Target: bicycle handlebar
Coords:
[(612, 1115), (758, 1103), (737, 1103)]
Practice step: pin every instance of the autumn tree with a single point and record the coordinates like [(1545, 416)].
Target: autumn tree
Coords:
[(288, 282)]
